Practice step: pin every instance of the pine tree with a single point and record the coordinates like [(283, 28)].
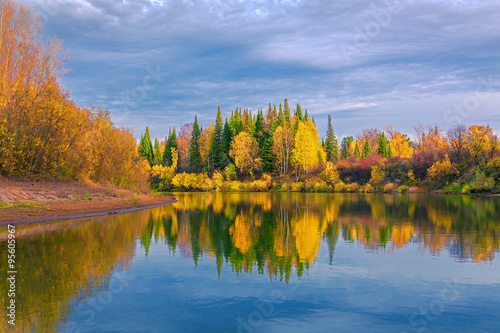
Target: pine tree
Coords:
[(382, 145), (298, 113), (286, 112), (267, 155), (331, 144), (195, 164), (259, 129), (306, 116), (366, 149), (236, 123), (157, 152), (227, 138), (281, 118), (171, 143), (217, 140), (146, 147), (249, 123)]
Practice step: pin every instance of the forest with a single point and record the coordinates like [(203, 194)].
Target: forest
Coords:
[(43, 133), (279, 149)]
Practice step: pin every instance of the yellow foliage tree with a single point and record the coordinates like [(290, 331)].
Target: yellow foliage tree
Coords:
[(307, 152), (246, 153), (283, 143), (481, 142), (401, 146)]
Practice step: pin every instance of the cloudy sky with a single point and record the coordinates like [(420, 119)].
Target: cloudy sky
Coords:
[(157, 63)]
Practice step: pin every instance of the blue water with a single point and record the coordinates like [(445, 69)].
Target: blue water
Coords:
[(424, 275)]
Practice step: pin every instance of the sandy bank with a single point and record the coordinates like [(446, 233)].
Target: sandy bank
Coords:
[(28, 202)]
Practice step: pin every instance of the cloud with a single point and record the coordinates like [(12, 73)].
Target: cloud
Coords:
[(364, 63)]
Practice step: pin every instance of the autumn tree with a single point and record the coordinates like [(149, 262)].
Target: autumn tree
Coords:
[(184, 141), (307, 150), (400, 146), (345, 147), (283, 143), (481, 143), (205, 144), (246, 154)]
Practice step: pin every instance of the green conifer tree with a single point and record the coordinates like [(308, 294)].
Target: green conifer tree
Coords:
[(146, 147), (217, 141), (366, 149), (171, 143), (227, 138), (382, 145), (286, 112), (331, 144), (195, 164)]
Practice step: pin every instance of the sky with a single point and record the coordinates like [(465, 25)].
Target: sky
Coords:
[(157, 63)]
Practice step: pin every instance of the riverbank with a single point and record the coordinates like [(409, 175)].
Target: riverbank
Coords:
[(26, 201)]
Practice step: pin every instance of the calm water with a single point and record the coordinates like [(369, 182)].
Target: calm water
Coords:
[(263, 262)]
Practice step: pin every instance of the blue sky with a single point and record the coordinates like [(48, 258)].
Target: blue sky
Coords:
[(157, 63)]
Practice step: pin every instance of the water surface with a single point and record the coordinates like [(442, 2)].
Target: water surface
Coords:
[(262, 262)]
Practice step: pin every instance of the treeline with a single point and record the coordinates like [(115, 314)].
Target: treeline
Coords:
[(283, 147), (43, 133)]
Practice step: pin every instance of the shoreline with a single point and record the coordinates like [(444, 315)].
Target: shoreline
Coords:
[(24, 202), (91, 213)]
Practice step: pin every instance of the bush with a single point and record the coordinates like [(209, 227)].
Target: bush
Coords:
[(466, 189), (341, 187), (218, 179), (297, 187), (354, 187), (482, 182), (441, 171), (368, 189), (389, 188), (262, 184), (230, 172), (403, 189), (331, 174), (377, 176)]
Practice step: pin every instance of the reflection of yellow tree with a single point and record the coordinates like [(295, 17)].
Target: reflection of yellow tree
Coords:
[(243, 233), (308, 231)]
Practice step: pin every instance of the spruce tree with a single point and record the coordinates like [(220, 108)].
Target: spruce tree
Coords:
[(286, 112), (331, 144), (298, 113), (227, 138), (382, 145), (171, 143), (281, 118), (366, 149), (217, 146), (259, 129), (157, 153), (146, 147), (195, 164)]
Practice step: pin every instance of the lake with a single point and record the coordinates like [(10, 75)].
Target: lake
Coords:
[(265, 262)]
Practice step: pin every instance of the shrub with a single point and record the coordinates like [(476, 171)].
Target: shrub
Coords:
[(340, 187), (331, 174), (466, 189), (354, 187), (262, 184), (482, 182), (218, 179), (230, 172), (441, 171), (297, 187), (377, 175), (368, 189), (403, 189), (388, 188)]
